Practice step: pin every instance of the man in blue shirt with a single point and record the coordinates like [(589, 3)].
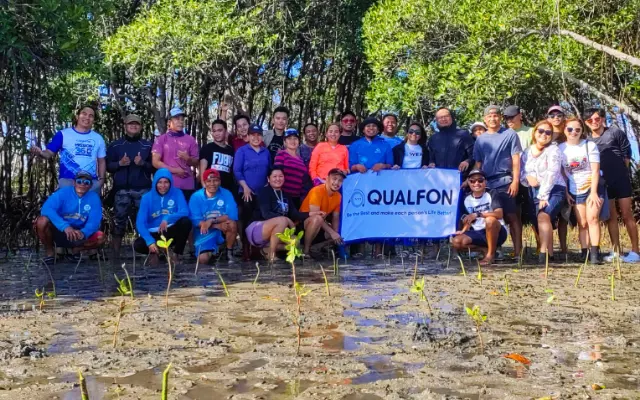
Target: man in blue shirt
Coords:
[(371, 152), (81, 149), (390, 130), (70, 219), (213, 213)]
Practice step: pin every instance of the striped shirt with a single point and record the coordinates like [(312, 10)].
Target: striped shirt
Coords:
[(294, 173)]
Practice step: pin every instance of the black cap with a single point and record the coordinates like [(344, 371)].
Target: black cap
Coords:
[(371, 120), (511, 111), (337, 171), (83, 174), (476, 172)]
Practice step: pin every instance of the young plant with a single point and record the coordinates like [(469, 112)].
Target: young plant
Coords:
[(546, 265), (326, 282), (336, 268), (479, 276), (124, 288), (586, 259), (551, 297), (165, 383), (464, 273), (418, 287), (506, 284), (479, 319), (612, 279), (255, 281), (415, 272), (164, 244), (224, 285), (84, 394), (449, 256)]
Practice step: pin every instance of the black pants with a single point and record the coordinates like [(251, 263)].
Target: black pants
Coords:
[(179, 232)]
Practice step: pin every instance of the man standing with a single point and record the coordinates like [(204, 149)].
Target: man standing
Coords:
[(129, 160), (513, 118), (348, 126), (390, 130), (310, 131), (218, 155), (177, 152), (450, 147), (370, 152), (615, 155), (213, 213), (274, 138), (497, 154), (71, 218), (81, 149)]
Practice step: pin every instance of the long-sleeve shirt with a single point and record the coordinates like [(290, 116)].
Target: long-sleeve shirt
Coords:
[(325, 158), (370, 152), (275, 203), (295, 173), (65, 209), (449, 147), (546, 167), (252, 167), (132, 176)]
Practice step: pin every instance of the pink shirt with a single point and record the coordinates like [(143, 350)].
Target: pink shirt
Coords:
[(167, 146)]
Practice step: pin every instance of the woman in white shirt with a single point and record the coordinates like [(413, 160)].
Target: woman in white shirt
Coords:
[(542, 171), (411, 154), (581, 162)]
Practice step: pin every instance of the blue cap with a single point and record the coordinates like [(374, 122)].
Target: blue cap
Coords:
[(255, 128), (291, 132), (176, 112)]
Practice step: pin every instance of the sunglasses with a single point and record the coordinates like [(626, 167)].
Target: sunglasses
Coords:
[(414, 131), (81, 181), (545, 131), (473, 181), (556, 115), (347, 120), (577, 130), (594, 120)]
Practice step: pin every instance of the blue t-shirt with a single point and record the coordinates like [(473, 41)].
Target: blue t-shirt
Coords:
[(494, 151), (370, 153), (393, 141), (78, 152)]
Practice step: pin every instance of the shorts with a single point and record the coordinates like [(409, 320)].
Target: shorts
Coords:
[(508, 203), (187, 193), (208, 242), (65, 182), (479, 238), (254, 234), (619, 188), (556, 202), (60, 239), (582, 198)]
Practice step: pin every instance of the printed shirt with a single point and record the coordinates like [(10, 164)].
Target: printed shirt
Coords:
[(294, 173), (78, 152), (576, 160), (318, 196), (221, 159), (412, 156), (484, 203), (167, 146), (546, 168)]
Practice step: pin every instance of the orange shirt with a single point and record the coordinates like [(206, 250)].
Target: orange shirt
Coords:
[(318, 196), (324, 158)]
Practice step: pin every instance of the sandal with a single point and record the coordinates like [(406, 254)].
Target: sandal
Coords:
[(49, 261)]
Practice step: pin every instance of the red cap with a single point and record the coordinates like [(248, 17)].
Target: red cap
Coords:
[(211, 171)]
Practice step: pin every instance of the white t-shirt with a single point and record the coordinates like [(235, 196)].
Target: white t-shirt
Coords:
[(576, 161), (484, 203), (412, 156)]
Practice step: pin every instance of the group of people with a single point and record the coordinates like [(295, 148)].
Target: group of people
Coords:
[(256, 183)]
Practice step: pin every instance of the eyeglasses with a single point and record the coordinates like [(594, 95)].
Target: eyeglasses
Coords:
[(545, 131), (347, 120), (81, 181), (594, 120), (474, 181), (556, 115), (414, 131), (570, 129)]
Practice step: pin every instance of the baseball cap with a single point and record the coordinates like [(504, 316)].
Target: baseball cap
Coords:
[(337, 171), (476, 124), (255, 128), (210, 172), (492, 107), (176, 112), (291, 132), (511, 111), (83, 174), (555, 108), (132, 118), (476, 172)]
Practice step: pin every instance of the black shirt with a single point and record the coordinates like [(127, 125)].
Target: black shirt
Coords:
[(614, 148), (272, 204), (277, 144), (347, 140), (221, 159)]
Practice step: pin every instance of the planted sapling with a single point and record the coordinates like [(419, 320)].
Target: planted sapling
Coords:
[(580, 269), (551, 297), (224, 285), (326, 282), (165, 382), (479, 319), (418, 287), (255, 281), (124, 288), (164, 244), (612, 279), (506, 284), (479, 276), (464, 273), (84, 394)]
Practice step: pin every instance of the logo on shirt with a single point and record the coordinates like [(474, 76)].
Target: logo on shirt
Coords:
[(220, 203), (84, 147), (170, 203), (87, 207)]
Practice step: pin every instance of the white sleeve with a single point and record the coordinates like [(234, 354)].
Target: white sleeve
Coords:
[(594, 154), (102, 151)]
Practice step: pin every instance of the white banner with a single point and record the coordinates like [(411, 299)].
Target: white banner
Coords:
[(406, 203)]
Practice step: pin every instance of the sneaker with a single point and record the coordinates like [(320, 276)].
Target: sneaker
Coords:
[(230, 257), (595, 260), (612, 256), (499, 255), (632, 257)]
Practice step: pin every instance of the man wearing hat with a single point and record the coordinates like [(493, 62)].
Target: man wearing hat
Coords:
[(483, 225), (370, 152), (497, 154), (129, 160), (177, 152), (513, 118), (70, 219), (213, 213)]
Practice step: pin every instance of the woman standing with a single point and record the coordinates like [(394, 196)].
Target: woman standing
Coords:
[(411, 154), (295, 170), (542, 171), (581, 162), (328, 155)]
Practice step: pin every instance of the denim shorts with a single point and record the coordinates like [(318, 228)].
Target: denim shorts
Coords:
[(479, 238), (556, 201)]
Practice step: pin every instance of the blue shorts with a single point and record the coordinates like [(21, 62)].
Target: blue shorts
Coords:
[(582, 198), (556, 202), (479, 238), (508, 203)]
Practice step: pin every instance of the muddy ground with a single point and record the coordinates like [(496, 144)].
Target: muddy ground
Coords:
[(370, 339)]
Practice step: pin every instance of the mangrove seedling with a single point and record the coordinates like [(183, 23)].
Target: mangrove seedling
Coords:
[(415, 272), (84, 394), (551, 297), (164, 244), (336, 268), (612, 279), (586, 259), (479, 319), (124, 288), (326, 282), (506, 284), (255, 281), (418, 287), (448, 256), (464, 273), (165, 383), (546, 265), (224, 285), (479, 276)]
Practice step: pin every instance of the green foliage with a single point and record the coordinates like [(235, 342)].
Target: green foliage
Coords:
[(124, 287), (418, 287), (292, 243), (476, 314)]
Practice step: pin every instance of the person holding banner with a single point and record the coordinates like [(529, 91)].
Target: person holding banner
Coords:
[(483, 227), (371, 152), (411, 154), (450, 147)]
